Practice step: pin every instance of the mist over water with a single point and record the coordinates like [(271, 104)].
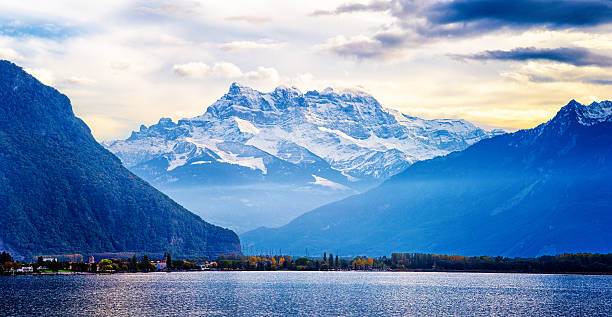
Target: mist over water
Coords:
[(307, 293)]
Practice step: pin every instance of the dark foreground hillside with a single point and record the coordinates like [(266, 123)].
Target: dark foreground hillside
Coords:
[(62, 192), (534, 192)]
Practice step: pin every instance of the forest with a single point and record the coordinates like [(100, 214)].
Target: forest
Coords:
[(565, 263)]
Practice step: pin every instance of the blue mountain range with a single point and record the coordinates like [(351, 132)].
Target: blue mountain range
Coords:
[(539, 191)]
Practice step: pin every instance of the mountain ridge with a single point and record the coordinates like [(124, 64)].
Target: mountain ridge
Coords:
[(244, 108), (531, 192), (62, 192), (317, 146)]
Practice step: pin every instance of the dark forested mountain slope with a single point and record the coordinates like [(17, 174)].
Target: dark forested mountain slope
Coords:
[(62, 192), (545, 190)]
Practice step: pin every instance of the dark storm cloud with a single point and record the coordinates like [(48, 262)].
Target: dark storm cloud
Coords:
[(422, 21), (551, 13), (601, 81), (491, 13), (576, 56)]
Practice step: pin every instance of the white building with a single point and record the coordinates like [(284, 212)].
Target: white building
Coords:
[(25, 269)]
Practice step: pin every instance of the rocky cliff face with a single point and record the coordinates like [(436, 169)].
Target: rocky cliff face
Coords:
[(349, 130)]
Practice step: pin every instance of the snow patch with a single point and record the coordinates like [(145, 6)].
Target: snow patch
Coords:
[(231, 158), (177, 161), (246, 126), (200, 162), (349, 177), (373, 142), (327, 183)]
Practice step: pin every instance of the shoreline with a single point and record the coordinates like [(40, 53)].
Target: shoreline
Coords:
[(328, 271)]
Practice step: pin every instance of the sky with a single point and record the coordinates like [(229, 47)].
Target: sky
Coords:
[(505, 64)]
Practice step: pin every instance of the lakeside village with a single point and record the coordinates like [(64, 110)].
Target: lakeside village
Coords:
[(580, 263)]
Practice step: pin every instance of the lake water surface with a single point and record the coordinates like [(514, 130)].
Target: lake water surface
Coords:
[(306, 293)]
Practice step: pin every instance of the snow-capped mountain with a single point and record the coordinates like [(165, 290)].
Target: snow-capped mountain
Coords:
[(337, 141)]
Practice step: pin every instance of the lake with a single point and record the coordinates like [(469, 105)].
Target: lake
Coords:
[(307, 293)]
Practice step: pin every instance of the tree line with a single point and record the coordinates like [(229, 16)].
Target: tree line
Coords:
[(564, 263), (286, 262), (133, 264)]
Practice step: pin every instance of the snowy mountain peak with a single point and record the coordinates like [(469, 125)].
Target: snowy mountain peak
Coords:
[(586, 115), (165, 122), (347, 131), (267, 157), (236, 88), (346, 94), (597, 112), (287, 90)]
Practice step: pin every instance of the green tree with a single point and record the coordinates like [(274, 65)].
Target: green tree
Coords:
[(5, 257), (169, 261), (107, 265), (134, 263), (145, 264)]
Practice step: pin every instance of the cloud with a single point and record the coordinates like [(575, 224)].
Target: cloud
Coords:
[(471, 13), (382, 45), (167, 8), (420, 22), (250, 45), (548, 13), (157, 39), (249, 19), (9, 54), (576, 56), (80, 81), (202, 70), (599, 81), (539, 72), (119, 65), (48, 77), (359, 46), (264, 73), (226, 70), (355, 7), (37, 28), (44, 75), (193, 70)]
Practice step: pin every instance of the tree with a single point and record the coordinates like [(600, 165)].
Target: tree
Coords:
[(369, 263), (169, 261), (145, 264), (107, 265), (54, 265), (134, 263), (5, 257)]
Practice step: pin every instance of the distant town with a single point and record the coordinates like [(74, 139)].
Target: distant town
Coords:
[(581, 263)]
